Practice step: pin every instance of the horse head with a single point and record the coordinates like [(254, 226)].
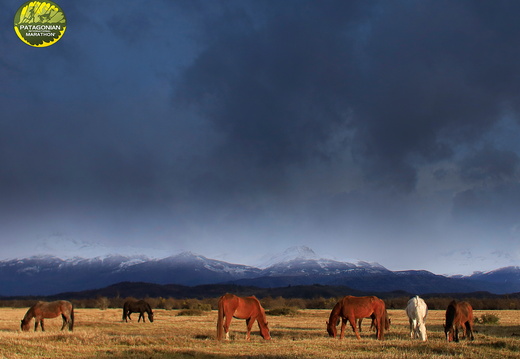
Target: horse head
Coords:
[(449, 333), (264, 331), (25, 325), (421, 332), (150, 316), (331, 329)]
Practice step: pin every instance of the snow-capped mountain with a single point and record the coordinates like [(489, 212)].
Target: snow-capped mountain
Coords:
[(505, 276), (44, 275), (291, 253)]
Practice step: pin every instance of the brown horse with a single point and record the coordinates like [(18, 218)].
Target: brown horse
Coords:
[(351, 308), (141, 306), (42, 310), (458, 314), (248, 308)]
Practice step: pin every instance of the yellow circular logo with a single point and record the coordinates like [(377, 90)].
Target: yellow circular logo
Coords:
[(40, 23)]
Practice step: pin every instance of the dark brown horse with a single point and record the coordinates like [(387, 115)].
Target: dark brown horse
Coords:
[(458, 314), (140, 306), (42, 310), (351, 308), (248, 308)]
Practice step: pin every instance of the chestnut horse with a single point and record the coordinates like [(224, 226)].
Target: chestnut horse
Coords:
[(351, 308), (248, 308), (140, 306), (42, 310), (458, 314)]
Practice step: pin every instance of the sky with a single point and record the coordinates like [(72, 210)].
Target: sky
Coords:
[(382, 131)]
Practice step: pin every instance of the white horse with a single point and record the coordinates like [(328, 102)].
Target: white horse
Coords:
[(417, 310)]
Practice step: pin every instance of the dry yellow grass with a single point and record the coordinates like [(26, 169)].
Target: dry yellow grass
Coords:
[(102, 334)]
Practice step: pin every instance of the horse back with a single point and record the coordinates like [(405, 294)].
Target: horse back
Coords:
[(458, 313), (361, 307), (465, 312), (52, 309), (143, 305), (416, 308), (248, 307), (228, 303)]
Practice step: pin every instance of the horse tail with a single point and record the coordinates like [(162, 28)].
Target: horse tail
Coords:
[(71, 325), (124, 312), (381, 318), (220, 320)]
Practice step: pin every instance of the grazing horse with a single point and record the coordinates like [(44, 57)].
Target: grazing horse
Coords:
[(140, 306), (48, 310), (417, 310), (248, 308), (351, 308), (458, 314)]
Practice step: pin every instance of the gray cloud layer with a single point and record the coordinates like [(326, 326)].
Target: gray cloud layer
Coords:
[(360, 125)]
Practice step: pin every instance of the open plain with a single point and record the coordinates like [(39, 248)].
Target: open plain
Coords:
[(102, 334)]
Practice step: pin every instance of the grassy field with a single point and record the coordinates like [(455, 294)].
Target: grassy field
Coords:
[(102, 334)]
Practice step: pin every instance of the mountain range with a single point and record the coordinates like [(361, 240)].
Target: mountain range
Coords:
[(47, 275)]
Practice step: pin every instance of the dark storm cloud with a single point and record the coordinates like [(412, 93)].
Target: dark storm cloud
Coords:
[(275, 91), (279, 120), (407, 80)]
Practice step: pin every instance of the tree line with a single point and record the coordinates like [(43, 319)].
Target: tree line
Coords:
[(269, 303)]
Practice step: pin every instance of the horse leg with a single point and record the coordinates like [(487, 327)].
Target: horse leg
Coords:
[(343, 325), (412, 328), (141, 315), (469, 330), (41, 325), (372, 322), (36, 323), (360, 320), (380, 327), (352, 321), (64, 321), (249, 324), (227, 323)]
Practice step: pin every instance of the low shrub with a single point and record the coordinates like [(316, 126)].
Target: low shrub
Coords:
[(487, 319), (283, 311), (191, 312)]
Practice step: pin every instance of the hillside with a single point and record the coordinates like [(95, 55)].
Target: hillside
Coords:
[(48, 275)]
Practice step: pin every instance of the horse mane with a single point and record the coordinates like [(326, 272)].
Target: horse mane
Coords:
[(450, 313)]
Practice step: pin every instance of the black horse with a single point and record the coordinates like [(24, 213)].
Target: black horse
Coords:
[(140, 306)]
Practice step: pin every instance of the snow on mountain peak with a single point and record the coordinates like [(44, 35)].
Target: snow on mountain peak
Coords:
[(291, 253)]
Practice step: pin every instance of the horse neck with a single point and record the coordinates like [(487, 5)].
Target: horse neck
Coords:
[(262, 319), (30, 314), (334, 314), (451, 320)]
